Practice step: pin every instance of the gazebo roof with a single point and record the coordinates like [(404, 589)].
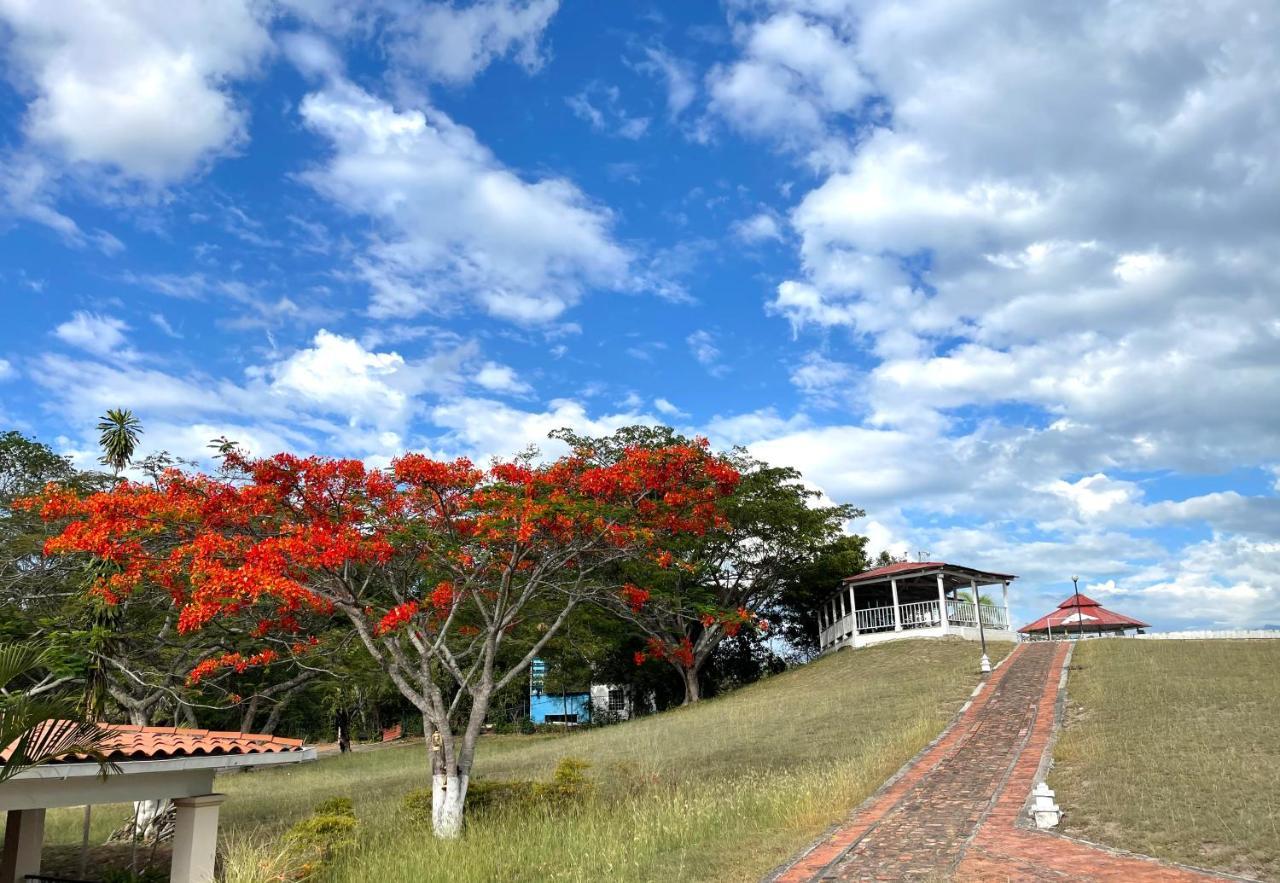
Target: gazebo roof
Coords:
[(129, 742), (904, 569), (1089, 613)]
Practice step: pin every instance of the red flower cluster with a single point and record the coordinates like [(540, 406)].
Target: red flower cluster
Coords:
[(237, 661), (655, 648), (635, 597), (396, 617), (272, 540)]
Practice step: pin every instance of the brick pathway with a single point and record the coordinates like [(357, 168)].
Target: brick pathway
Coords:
[(955, 812)]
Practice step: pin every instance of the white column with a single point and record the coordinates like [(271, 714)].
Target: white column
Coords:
[(853, 609), (23, 840), (897, 614), (1008, 623), (195, 838), (942, 603)]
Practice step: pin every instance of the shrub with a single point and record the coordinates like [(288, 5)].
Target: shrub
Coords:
[(315, 840), (569, 784)]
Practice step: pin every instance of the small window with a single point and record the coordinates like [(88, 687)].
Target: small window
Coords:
[(617, 700)]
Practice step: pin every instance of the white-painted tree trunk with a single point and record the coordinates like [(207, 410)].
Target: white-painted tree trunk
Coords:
[(448, 795)]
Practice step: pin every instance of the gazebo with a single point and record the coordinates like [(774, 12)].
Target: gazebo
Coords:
[(914, 600), (1078, 616), (154, 763)]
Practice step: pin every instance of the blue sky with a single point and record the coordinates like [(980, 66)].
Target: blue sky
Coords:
[(1003, 276)]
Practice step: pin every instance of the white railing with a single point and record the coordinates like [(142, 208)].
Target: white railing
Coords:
[(920, 615), (916, 615), (875, 619), (960, 612)]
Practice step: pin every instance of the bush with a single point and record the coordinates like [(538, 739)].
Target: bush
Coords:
[(569, 784), (314, 841)]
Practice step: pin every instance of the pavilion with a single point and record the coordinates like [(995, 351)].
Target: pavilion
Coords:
[(153, 763), (1078, 616), (914, 600)]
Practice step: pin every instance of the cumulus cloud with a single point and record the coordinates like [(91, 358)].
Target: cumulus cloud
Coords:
[(139, 87), (796, 72), (453, 43), (500, 378), (760, 227), (454, 222), (100, 335)]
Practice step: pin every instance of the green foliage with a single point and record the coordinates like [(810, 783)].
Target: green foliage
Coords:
[(316, 840), (119, 430), (811, 582), (40, 725), (569, 785)]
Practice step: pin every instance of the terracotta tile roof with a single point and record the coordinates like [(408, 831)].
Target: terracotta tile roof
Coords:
[(909, 567), (131, 742), (1090, 614)]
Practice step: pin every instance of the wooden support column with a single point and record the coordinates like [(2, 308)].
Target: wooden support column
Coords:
[(853, 608), (195, 838), (1008, 623), (942, 603), (23, 841), (897, 614)]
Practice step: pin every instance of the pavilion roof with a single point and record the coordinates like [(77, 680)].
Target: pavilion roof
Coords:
[(130, 742), (1068, 615), (911, 568)]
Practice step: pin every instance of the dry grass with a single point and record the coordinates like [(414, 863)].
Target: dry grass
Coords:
[(1172, 749), (721, 791)]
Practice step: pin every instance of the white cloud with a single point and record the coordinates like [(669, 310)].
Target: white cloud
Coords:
[(677, 75), (666, 409), (797, 71), (100, 335), (500, 378), (456, 223), (702, 344), (601, 106), (760, 227), (139, 86), (6, 369), (339, 375), (1095, 494), (452, 43), (484, 428)]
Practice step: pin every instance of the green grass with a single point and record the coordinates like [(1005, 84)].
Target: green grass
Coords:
[(724, 790), (1172, 749)]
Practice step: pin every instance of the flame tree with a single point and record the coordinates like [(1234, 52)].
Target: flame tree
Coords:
[(440, 569), (725, 581)]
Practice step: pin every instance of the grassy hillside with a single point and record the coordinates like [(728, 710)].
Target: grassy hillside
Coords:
[(1172, 748), (720, 791)]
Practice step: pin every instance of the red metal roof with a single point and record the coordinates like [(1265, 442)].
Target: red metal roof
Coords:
[(1089, 614), (909, 567), (129, 742)]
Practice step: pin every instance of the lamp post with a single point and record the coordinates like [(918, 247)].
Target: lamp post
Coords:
[(985, 663), (1075, 582)]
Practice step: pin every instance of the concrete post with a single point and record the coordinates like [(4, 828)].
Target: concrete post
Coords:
[(1008, 623), (1044, 810), (942, 603), (897, 614), (195, 838), (23, 841), (984, 664)]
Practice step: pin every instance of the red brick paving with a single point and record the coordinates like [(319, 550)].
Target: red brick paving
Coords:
[(955, 811)]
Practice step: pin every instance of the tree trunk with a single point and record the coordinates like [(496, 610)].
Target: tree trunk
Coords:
[(692, 692), (448, 797)]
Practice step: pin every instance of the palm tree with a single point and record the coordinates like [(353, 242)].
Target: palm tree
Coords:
[(119, 438), (35, 729)]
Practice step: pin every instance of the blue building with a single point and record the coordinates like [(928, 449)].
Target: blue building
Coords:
[(555, 708)]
